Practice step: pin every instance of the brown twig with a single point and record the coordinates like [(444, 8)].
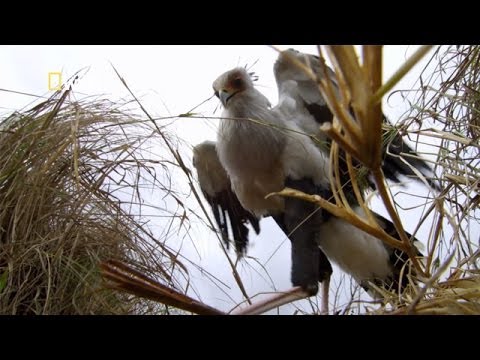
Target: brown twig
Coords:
[(124, 277)]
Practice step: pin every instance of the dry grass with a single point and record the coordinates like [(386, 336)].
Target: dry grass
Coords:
[(70, 174), (446, 110), (445, 113)]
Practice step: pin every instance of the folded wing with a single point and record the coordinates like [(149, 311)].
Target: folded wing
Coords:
[(215, 185)]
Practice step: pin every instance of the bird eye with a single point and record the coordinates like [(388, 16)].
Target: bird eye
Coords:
[(237, 82)]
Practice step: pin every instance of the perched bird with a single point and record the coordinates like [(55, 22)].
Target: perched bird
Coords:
[(216, 187), (261, 156), (264, 158), (300, 100)]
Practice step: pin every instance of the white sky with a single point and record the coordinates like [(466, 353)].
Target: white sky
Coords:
[(171, 80)]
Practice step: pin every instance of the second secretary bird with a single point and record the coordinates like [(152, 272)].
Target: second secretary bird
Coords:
[(301, 101)]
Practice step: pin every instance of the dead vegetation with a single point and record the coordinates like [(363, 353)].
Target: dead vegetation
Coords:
[(63, 208), (66, 164)]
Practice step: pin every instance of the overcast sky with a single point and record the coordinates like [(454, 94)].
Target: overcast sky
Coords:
[(171, 80)]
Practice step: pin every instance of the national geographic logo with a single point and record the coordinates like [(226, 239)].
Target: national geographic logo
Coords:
[(54, 81)]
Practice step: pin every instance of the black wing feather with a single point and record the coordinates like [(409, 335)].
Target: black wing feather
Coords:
[(393, 166), (398, 258), (227, 209), (230, 217)]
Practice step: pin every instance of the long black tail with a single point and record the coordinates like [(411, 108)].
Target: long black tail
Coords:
[(396, 152)]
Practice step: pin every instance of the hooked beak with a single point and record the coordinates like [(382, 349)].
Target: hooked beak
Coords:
[(224, 96)]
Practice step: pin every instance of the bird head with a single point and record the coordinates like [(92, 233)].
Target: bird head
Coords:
[(204, 150), (232, 83), (288, 65)]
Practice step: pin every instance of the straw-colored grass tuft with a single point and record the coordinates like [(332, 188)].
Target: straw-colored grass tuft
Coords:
[(445, 115), (446, 110), (63, 210), (73, 175)]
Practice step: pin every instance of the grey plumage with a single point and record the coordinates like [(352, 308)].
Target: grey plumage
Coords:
[(260, 157), (216, 188), (301, 100)]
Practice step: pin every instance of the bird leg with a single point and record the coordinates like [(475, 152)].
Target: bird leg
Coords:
[(324, 273), (286, 297), (310, 265), (325, 289)]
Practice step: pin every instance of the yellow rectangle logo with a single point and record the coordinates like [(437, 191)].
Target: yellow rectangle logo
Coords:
[(54, 81)]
